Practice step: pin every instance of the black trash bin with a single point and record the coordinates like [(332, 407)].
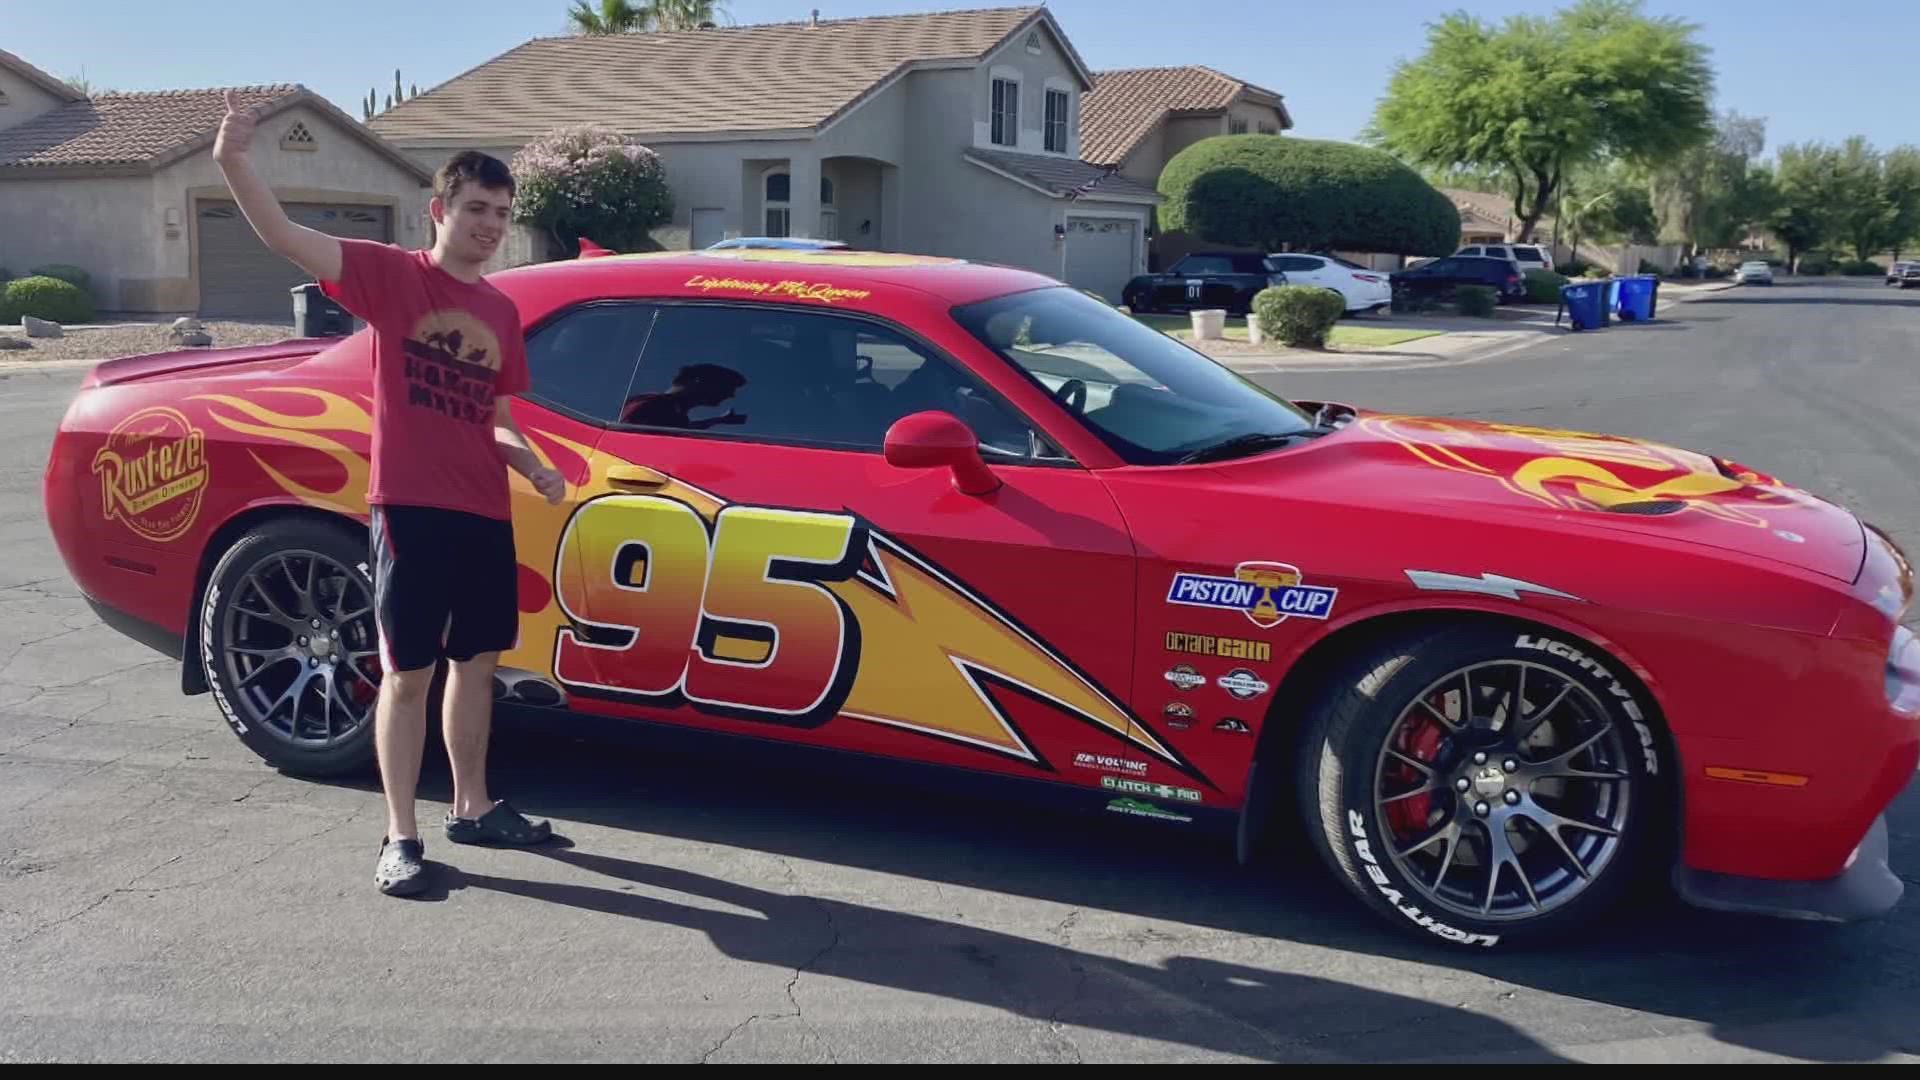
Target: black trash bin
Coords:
[(316, 315)]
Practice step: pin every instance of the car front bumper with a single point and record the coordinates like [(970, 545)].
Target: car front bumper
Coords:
[(1867, 888)]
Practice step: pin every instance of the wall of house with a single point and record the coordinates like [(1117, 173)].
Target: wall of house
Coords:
[(20, 100), (103, 226), (957, 208), (1254, 115), (1148, 159), (340, 169), (1184, 131), (1035, 72)]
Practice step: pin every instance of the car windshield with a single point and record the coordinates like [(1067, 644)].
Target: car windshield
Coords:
[(1152, 399)]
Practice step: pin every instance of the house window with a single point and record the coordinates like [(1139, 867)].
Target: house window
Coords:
[(1269, 129), (1006, 112), (1033, 43), (1057, 105), (1236, 126), (779, 204)]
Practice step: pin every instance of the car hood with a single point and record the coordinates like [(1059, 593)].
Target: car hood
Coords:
[(1590, 481)]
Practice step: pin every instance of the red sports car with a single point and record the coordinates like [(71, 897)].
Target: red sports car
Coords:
[(965, 516)]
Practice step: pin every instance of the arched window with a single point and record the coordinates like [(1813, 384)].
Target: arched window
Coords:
[(779, 203)]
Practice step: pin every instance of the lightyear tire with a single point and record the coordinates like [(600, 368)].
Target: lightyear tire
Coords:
[(1486, 787), (289, 645)]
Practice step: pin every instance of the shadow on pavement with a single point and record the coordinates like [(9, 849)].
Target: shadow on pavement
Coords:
[(1762, 983)]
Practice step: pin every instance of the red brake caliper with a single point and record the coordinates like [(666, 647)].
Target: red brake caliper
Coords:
[(1421, 743)]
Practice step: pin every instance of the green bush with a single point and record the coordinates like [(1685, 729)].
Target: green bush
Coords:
[(1477, 300), (1815, 266), (1648, 267), (1299, 316), (62, 271), (1268, 191), (1598, 273), (45, 298), (1543, 286), (1862, 268)]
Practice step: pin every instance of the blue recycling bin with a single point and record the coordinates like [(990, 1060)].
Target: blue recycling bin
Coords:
[(1585, 304), (1636, 298)]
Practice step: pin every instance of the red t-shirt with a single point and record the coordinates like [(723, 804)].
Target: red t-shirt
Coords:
[(443, 349)]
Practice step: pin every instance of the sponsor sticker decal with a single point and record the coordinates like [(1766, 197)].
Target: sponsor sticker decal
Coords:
[(153, 473), (1183, 677), (1233, 727), (1149, 789), (1109, 763), (1227, 648), (1179, 716), (799, 290), (1136, 808), (1242, 684), (1267, 593)]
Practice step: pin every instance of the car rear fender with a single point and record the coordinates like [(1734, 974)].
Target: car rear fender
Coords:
[(193, 676)]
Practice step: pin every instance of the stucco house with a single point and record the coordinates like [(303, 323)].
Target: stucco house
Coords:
[(124, 187), (1137, 119), (952, 133)]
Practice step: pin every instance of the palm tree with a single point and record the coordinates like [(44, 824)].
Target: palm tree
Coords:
[(683, 14), (626, 17), (612, 17)]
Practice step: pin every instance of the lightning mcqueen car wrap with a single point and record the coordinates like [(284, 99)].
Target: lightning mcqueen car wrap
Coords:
[(964, 516)]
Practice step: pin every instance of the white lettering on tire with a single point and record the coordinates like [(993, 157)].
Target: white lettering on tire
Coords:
[(1356, 825), (211, 669), (1614, 686)]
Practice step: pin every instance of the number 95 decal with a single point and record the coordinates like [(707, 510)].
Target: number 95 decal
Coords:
[(736, 621)]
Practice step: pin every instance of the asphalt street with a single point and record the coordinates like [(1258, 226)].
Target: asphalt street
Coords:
[(164, 896)]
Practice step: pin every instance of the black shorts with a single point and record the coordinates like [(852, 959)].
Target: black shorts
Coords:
[(445, 583)]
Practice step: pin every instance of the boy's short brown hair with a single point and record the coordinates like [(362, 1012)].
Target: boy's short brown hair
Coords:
[(471, 166)]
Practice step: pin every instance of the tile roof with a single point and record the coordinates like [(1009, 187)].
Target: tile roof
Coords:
[(144, 131), (1496, 211), (38, 78), (1060, 176), (767, 77), (1125, 105)]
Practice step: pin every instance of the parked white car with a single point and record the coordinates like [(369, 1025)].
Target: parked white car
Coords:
[(1363, 289), (1756, 272)]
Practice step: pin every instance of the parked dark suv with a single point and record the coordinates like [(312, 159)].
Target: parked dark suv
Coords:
[(1438, 279), (1204, 279)]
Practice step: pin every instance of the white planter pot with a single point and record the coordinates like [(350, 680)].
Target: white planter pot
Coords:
[(1210, 324), (1253, 330)]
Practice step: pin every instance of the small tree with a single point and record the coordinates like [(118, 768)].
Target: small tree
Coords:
[(591, 181), (1270, 191)]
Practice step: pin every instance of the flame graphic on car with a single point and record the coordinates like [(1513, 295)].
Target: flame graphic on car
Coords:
[(337, 414)]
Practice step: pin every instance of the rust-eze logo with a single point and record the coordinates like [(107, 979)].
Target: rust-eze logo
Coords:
[(153, 473)]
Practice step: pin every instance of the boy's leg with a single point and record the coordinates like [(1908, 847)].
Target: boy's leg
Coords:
[(486, 618), (411, 605), (467, 726)]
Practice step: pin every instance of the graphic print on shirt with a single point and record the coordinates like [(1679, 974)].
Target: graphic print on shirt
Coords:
[(452, 363)]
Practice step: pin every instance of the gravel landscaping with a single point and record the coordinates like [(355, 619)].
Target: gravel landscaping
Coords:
[(105, 342)]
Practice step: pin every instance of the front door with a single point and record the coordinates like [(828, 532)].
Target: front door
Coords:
[(756, 566)]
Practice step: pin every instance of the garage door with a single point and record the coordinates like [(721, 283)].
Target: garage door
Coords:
[(1100, 254), (241, 279)]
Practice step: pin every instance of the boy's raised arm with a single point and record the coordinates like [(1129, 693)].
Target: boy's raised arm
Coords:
[(313, 251)]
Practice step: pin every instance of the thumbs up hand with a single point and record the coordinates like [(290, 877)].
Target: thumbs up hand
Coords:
[(236, 132)]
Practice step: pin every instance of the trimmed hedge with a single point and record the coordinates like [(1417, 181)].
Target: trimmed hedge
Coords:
[(1543, 286), (1476, 300), (1272, 191), (1299, 316), (45, 298), (71, 274)]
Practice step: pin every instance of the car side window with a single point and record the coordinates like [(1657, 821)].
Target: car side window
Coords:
[(582, 361), (1468, 251), (1299, 264), (1204, 264), (781, 375)]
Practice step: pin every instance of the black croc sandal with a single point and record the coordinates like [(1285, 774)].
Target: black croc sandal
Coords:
[(500, 825), (401, 871)]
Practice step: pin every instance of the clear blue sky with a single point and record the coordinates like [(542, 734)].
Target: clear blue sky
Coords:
[(1811, 75)]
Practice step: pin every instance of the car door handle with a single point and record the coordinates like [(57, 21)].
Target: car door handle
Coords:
[(638, 476)]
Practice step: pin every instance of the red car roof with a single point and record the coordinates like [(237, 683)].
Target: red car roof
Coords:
[(855, 280)]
